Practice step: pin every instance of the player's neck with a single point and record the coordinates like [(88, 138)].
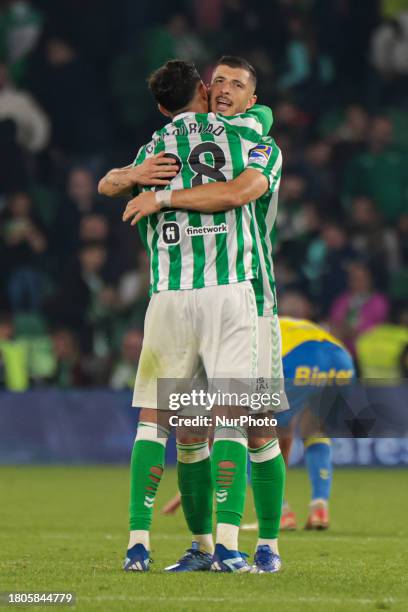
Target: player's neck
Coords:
[(190, 109), (197, 105)]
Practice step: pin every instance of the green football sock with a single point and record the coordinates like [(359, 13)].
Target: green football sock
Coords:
[(229, 470), (268, 483), (195, 485), (146, 470)]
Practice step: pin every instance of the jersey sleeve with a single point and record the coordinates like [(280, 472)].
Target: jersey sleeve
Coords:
[(266, 157), (263, 114), (253, 125), (140, 157)]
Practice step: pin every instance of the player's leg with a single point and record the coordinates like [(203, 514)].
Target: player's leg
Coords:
[(196, 495), (317, 459), (195, 485), (267, 464), (195, 482), (186, 459), (164, 355), (286, 433), (229, 471), (228, 330), (319, 467), (285, 443), (172, 505), (146, 469), (318, 455), (299, 396), (268, 485)]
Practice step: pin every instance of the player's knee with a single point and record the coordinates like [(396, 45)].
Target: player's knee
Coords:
[(151, 432), (255, 442), (187, 437), (158, 417), (148, 415)]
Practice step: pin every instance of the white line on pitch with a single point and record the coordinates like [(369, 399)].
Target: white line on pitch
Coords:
[(323, 537), (276, 599)]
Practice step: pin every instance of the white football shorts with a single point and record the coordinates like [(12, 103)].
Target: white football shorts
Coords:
[(212, 330)]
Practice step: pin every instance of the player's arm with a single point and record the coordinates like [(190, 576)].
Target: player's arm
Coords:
[(210, 198), (218, 197), (155, 170), (262, 174)]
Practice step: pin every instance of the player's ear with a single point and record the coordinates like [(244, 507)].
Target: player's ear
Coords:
[(163, 111), (203, 90), (252, 100)]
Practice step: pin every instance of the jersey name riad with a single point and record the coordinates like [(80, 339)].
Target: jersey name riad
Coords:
[(188, 249)]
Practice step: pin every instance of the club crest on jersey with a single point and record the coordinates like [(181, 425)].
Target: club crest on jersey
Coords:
[(260, 154), (171, 233)]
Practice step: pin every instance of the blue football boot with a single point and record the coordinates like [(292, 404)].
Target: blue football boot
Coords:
[(265, 561), (225, 560), (137, 559), (194, 560)]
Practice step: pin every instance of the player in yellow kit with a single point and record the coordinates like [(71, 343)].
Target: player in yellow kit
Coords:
[(312, 358)]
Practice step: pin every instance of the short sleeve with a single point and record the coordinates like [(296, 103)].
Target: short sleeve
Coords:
[(252, 125), (266, 157), (140, 157), (263, 114)]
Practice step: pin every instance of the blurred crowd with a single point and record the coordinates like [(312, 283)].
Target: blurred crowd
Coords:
[(74, 102)]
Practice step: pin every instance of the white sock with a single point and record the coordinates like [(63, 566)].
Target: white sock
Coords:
[(205, 541), (272, 543), (139, 536), (227, 535)]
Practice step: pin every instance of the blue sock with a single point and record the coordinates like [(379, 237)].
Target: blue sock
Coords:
[(319, 466)]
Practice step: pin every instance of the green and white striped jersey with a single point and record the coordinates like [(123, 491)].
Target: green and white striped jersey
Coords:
[(267, 158), (187, 249)]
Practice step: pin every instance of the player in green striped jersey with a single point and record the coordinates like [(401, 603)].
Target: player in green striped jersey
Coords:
[(218, 197), (194, 250), (210, 168)]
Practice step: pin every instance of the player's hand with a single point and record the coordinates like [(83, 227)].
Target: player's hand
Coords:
[(156, 170), (141, 206)]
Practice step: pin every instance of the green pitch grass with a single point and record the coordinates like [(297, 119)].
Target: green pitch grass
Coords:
[(64, 529)]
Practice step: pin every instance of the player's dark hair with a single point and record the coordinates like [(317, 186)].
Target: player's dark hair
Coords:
[(233, 61), (174, 84)]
